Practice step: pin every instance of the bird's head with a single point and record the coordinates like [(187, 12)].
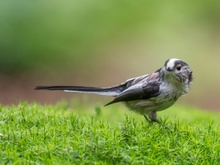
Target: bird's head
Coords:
[(178, 69)]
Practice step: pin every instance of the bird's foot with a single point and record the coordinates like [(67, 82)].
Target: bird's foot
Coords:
[(151, 120)]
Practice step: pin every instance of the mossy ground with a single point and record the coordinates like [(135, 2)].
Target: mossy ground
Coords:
[(75, 134)]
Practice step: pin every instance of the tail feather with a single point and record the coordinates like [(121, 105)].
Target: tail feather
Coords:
[(110, 91)]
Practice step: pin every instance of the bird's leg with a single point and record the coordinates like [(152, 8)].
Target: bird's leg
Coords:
[(146, 117), (153, 116)]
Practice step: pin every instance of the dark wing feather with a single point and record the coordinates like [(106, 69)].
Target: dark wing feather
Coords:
[(137, 92)]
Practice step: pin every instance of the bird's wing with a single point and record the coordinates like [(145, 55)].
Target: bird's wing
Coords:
[(137, 92)]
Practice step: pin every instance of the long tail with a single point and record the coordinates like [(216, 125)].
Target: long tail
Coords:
[(109, 91)]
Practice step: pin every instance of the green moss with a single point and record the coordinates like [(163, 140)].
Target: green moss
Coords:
[(63, 134)]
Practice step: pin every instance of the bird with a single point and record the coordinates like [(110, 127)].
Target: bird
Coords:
[(146, 94)]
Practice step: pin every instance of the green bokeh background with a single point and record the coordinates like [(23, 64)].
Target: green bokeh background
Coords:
[(102, 43)]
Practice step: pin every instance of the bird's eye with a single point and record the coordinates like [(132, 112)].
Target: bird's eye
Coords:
[(178, 67)]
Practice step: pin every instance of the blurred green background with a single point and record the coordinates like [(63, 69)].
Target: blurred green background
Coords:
[(103, 43)]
